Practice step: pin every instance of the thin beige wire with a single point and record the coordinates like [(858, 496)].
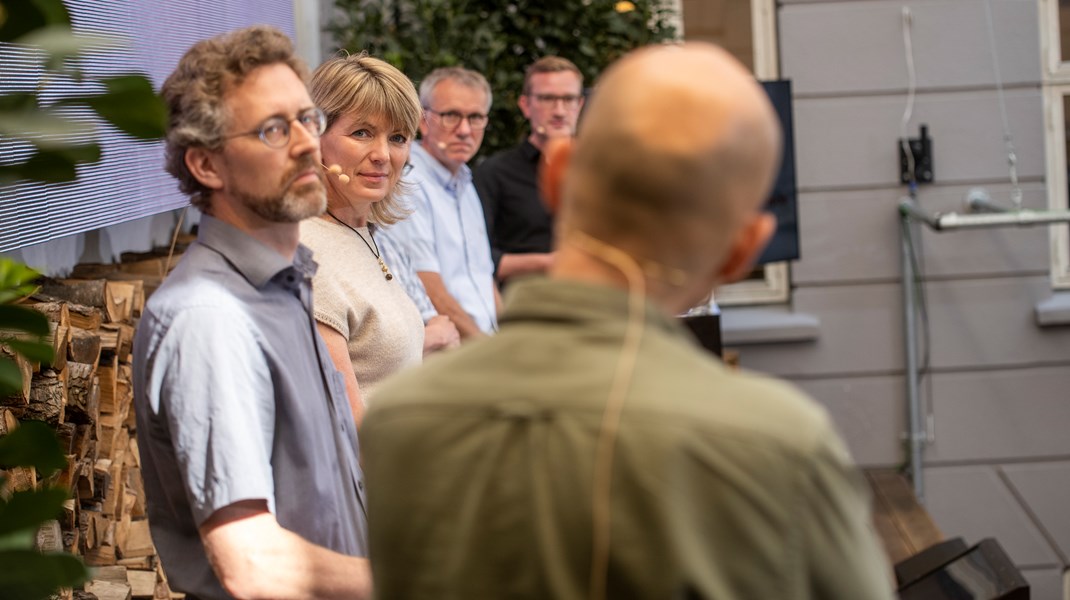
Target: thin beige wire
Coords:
[(174, 240), (607, 435)]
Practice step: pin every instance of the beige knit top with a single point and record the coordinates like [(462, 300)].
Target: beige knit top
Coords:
[(351, 295)]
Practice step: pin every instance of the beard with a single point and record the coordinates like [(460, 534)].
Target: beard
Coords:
[(292, 204)]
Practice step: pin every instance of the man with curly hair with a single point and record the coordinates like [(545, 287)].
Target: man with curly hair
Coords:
[(247, 442)]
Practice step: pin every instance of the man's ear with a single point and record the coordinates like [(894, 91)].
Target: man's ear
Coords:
[(525, 105), (423, 125), (555, 157), (203, 164), (747, 247)]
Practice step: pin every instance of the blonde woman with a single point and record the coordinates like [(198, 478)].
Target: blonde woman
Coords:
[(369, 324)]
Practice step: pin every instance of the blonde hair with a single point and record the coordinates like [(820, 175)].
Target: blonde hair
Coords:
[(194, 94), (365, 85)]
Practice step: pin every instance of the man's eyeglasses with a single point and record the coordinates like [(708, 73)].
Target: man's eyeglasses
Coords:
[(452, 118), (569, 100), (275, 132)]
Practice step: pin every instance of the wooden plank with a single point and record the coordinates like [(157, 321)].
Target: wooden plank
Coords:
[(905, 527)]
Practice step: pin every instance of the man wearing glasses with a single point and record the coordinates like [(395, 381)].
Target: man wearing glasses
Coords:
[(518, 223), (247, 442), (445, 237)]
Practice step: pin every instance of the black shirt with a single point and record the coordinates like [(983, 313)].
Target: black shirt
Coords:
[(517, 220)]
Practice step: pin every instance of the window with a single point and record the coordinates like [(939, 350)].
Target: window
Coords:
[(1055, 49), (747, 29), (129, 182)]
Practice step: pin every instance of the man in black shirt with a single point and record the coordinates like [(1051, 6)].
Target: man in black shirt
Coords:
[(518, 224)]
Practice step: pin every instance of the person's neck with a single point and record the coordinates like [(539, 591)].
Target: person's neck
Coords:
[(347, 213), (281, 237), (537, 140), (574, 264)]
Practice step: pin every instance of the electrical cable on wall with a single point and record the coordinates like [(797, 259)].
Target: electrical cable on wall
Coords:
[(912, 85), (910, 230), (1008, 139)]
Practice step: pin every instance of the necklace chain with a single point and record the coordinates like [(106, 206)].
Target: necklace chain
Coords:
[(372, 246)]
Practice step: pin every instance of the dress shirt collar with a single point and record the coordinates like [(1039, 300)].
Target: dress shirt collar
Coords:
[(529, 151), (437, 172), (257, 262)]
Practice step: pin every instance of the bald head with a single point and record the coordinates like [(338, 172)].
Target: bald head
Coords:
[(678, 149)]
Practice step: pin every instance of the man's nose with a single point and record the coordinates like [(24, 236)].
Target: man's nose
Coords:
[(302, 140), (464, 128)]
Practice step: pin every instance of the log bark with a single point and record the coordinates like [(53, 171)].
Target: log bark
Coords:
[(22, 396), (86, 317), (84, 346), (83, 394), (48, 393)]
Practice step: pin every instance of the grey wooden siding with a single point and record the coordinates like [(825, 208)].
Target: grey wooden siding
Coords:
[(999, 386)]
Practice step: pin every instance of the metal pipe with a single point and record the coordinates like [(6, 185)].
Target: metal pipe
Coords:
[(1021, 218), (910, 327), (1004, 218)]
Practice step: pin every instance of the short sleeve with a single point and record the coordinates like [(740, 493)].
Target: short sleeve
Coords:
[(215, 397), (332, 305), (416, 233)]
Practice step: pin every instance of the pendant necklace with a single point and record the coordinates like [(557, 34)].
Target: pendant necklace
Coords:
[(372, 247)]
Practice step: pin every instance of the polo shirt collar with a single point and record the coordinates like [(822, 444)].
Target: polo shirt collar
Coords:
[(257, 262)]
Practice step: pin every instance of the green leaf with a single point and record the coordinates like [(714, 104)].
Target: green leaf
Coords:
[(13, 273), (44, 126), (59, 42), (32, 444), (30, 509), (23, 16), (29, 575), (132, 106), (22, 539), (18, 101), (35, 351), (51, 164), (21, 318), (10, 377)]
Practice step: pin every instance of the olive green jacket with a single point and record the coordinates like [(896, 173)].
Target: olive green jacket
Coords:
[(726, 485)]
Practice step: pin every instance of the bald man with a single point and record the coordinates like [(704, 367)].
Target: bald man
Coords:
[(592, 449)]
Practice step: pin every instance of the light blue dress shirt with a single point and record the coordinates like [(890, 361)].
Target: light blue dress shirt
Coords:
[(446, 234)]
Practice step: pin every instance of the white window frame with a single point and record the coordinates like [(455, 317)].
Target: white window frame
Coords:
[(1055, 75), (775, 286)]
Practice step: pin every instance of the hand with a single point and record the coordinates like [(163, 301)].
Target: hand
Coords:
[(439, 334)]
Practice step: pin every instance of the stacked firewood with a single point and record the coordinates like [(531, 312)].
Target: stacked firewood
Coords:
[(86, 395)]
